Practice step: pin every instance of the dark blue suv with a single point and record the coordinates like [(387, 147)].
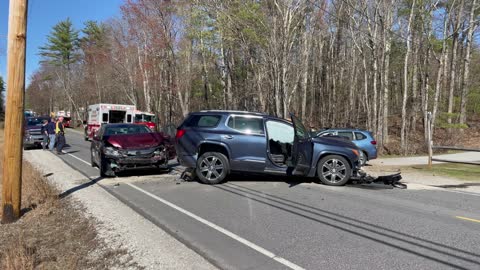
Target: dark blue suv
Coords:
[(215, 143)]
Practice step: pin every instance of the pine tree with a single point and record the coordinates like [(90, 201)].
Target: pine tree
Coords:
[(62, 50), (62, 46), (94, 35)]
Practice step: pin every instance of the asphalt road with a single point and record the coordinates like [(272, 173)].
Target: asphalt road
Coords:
[(258, 222)]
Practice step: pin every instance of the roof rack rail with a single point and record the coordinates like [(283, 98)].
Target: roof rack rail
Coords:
[(233, 111)]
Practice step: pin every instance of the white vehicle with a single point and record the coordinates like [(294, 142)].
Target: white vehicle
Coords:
[(99, 114), (63, 113)]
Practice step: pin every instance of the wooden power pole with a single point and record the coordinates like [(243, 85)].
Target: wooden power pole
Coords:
[(12, 158)]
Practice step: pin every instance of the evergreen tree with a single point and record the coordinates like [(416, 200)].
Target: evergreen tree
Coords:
[(62, 46), (94, 35)]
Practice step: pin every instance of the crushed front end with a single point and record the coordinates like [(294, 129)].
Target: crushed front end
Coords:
[(126, 159)]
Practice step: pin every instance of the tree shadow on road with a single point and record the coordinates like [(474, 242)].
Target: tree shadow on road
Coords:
[(292, 181), (79, 187), (428, 249)]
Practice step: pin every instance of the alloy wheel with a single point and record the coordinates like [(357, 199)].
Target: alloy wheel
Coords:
[(211, 168), (334, 170)]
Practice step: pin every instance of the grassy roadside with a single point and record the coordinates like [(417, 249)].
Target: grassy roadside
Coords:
[(53, 233), (457, 171), (421, 155)]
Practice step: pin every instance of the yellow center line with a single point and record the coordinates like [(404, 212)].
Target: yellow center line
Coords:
[(469, 219)]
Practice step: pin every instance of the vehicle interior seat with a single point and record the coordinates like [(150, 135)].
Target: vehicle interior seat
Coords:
[(279, 152)]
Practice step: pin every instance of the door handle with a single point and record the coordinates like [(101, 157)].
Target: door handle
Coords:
[(228, 137)]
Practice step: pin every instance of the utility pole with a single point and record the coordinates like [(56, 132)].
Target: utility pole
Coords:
[(429, 139), (12, 158)]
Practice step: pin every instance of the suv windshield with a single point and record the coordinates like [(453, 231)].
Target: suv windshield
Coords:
[(35, 121)]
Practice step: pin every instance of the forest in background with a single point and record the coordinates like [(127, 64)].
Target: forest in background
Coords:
[(379, 65)]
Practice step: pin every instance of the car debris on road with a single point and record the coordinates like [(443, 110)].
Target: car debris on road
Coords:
[(391, 179)]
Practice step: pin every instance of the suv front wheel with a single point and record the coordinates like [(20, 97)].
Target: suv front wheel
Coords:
[(212, 168), (334, 170)]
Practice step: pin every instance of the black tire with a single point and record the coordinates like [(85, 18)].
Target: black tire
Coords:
[(92, 161), (86, 135), (212, 168), (105, 169), (334, 170)]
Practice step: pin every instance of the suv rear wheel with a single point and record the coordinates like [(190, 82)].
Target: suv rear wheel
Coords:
[(334, 170), (212, 168)]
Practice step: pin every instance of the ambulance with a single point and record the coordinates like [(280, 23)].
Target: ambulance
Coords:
[(99, 114)]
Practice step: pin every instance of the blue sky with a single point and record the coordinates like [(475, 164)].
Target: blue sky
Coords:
[(44, 14)]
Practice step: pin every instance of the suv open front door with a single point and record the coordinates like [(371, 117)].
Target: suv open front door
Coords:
[(302, 150)]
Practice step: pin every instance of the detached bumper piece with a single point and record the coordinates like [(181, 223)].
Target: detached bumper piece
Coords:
[(391, 179)]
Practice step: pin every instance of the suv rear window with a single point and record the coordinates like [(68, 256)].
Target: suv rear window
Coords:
[(203, 121), (360, 136)]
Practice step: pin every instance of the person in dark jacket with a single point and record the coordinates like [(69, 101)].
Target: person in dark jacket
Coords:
[(60, 132), (44, 134), (51, 134)]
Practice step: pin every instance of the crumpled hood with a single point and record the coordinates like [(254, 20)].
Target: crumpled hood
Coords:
[(336, 141), (136, 141)]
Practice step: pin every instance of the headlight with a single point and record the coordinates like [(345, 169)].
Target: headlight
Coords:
[(159, 151), (110, 151)]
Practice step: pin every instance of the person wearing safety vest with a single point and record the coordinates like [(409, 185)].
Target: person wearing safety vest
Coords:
[(60, 135)]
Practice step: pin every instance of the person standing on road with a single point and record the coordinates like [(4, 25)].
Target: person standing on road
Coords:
[(60, 132), (44, 134), (51, 134)]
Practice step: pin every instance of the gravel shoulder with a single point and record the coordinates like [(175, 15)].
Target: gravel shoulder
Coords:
[(119, 225), (419, 179)]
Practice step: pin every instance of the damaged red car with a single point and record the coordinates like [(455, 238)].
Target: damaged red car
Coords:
[(120, 147)]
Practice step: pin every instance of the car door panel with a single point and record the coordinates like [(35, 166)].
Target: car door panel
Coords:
[(247, 148), (302, 150)]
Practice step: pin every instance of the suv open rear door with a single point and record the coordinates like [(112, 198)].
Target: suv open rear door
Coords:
[(302, 150)]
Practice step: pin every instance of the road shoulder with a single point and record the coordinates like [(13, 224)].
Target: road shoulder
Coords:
[(417, 179), (150, 246)]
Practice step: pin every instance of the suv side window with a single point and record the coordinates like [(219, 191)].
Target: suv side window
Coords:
[(245, 124), (203, 121), (327, 134), (359, 136), (347, 134)]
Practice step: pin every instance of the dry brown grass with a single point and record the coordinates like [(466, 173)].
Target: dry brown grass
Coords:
[(53, 233)]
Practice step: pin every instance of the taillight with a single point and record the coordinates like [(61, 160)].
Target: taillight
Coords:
[(180, 133), (374, 142)]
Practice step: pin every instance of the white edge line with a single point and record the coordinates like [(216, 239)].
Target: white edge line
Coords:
[(78, 159), (222, 230)]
